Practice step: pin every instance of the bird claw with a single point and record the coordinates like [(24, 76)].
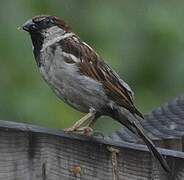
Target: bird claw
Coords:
[(69, 130), (83, 130)]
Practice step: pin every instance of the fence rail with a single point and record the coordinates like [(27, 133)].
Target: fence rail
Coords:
[(29, 152)]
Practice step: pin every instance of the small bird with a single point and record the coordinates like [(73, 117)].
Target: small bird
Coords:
[(81, 78)]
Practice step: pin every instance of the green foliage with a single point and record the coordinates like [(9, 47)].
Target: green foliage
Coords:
[(142, 40)]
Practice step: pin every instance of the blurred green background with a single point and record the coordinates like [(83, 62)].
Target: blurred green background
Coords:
[(142, 40)]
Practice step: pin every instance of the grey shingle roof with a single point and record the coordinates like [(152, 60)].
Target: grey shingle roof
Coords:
[(165, 122)]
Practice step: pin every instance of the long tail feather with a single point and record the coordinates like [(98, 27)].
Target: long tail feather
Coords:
[(133, 125)]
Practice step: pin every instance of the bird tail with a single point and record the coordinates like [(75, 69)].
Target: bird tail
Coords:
[(130, 122)]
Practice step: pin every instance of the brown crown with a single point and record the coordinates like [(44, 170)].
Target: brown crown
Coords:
[(56, 20)]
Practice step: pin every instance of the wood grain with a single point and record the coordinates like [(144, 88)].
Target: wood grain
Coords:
[(33, 153)]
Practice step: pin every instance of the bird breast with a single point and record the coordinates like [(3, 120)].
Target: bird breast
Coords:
[(64, 78)]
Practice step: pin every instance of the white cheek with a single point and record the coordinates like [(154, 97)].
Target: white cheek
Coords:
[(52, 30)]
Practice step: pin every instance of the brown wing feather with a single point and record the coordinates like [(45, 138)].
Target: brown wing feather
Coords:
[(92, 66)]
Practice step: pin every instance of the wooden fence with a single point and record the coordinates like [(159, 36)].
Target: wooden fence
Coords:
[(29, 152)]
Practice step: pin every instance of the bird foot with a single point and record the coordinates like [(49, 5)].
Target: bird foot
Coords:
[(87, 131)]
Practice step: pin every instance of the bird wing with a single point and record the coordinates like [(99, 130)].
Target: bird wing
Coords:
[(91, 65)]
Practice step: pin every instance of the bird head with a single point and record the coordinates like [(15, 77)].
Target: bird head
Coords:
[(45, 25), (45, 30)]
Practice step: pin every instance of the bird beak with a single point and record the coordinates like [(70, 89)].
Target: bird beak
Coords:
[(28, 26)]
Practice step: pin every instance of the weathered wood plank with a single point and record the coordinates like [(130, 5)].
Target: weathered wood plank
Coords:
[(33, 153)]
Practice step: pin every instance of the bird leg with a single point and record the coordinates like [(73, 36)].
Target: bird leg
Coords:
[(83, 126)]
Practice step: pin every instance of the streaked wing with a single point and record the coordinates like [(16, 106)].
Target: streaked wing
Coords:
[(91, 65)]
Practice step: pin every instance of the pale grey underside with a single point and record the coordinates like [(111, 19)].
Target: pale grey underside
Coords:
[(77, 90)]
